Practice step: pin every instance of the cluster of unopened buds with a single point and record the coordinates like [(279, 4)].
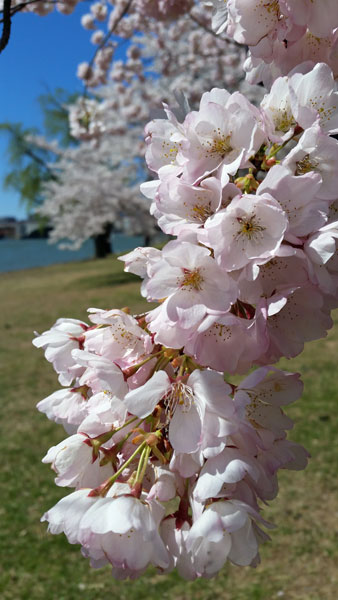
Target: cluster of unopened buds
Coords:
[(169, 459)]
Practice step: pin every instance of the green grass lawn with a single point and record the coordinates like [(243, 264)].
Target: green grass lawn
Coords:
[(300, 563)]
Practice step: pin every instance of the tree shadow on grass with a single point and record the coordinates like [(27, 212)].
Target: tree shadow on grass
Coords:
[(106, 280)]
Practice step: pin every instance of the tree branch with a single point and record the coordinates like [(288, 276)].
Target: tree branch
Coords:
[(27, 150), (21, 6), (110, 32), (224, 38), (7, 22), (107, 38)]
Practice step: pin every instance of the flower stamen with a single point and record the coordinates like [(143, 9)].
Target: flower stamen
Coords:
[(192, 279)]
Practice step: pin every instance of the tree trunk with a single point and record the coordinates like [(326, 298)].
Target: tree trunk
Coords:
[(102, 242), (147, 239)]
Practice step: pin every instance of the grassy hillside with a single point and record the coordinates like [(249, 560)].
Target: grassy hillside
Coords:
[(300, 562)]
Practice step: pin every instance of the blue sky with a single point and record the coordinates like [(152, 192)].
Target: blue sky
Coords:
[(42, 51)]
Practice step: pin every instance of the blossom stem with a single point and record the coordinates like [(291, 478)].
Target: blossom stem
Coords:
[(142, 465), (161, 363), (125, 424), (182, 367), (128, 461), (159, 455), (280, 147), (192, 365), (143, 362)]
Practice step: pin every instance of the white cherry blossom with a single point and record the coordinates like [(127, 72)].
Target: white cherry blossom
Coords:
[(250, 229), (191, 280), (316, 152)]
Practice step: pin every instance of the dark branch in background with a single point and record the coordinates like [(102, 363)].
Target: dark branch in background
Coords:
[(27, 150), (110, 32), (21, 6), (108, 36), (223, 37), (7, 22)]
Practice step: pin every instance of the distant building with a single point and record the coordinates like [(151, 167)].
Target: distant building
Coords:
[(27, 228), (9, 228), (31, 228)]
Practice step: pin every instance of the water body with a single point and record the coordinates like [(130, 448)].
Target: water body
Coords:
[(25, 254)]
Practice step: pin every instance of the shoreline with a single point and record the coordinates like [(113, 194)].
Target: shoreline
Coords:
[(23, 254)]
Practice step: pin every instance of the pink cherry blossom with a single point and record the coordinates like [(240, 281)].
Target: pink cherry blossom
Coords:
[(68, 406), (313, 95), (99, 373), (122, 341), (171, 462), (320, 17), (224, 531), (219, 135), (192, 281), (72, 460), (316, 152), (251, 21), (185, 404), (250, 229), (65, 336), (295, 316), (297, 196), (229, 343), (123, 531)]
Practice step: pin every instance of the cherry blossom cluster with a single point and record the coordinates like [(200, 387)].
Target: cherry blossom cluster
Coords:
[(158, 25), (170, 460), (95, 183), (141, 23), (280, 33), (42, 7), (167, 460), (169, 58), (251, 195), (174, 35)]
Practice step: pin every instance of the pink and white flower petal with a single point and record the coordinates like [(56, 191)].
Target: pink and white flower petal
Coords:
[(250, 229), (138, 259), (66, 406), (142, 401), (251, 21), (313, 96), (58, 343), (229, 343), (316, 152), (193, 282), (100, 373), (298, 197), (277, 112), (66, 515), (230, 466), (185, 428)]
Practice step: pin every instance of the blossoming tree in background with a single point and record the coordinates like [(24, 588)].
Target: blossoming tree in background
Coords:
[(82, 202), (170, 461), (94, 190)]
